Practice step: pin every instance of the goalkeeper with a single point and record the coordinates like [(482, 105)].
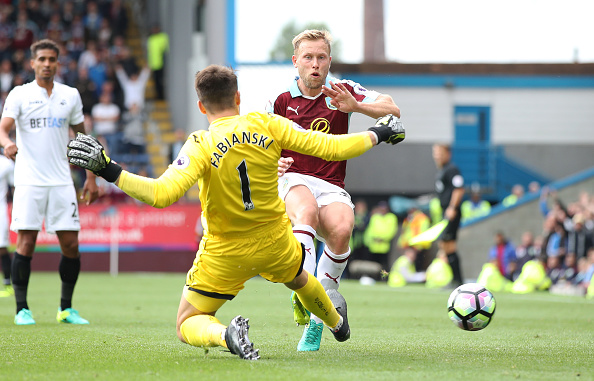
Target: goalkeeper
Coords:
[(247, 231)]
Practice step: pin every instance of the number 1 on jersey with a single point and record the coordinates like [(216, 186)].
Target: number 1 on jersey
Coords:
[(246, 192)]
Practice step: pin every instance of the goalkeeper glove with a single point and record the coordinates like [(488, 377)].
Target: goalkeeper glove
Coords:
[(86, 152), (388, 129)]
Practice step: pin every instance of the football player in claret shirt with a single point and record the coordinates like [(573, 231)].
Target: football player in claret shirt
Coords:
[(246, 229), (44, 111), (313, 188)]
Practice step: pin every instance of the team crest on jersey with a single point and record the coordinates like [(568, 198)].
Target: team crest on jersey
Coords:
[(182, 161), (329, 105)]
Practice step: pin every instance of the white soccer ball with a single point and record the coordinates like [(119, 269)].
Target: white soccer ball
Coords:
[(471, 307)]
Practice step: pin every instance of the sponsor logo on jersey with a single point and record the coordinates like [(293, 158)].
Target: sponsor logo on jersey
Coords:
[(293, 109), (47, 122), (321, 124)]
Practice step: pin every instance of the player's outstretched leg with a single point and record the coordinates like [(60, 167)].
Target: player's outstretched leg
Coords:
[(300, 313), (236, 337), (342, 332)]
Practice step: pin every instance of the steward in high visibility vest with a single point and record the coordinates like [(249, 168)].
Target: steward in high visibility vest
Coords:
[(382, 228), (533, 277), (491, 278), (475, 207), (516, 193), (403, 270), (439, 273), (414, 224)]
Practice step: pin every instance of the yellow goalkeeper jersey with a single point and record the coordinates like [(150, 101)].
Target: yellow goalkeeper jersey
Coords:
[(235, 165)]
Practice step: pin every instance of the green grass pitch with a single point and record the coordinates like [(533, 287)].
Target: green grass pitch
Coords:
[(397, 334)]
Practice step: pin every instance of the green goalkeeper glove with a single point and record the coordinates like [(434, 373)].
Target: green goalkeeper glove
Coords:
[(388, 129), (86, 152)]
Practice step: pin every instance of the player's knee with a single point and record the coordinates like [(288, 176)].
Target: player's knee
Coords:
[(307, 215)]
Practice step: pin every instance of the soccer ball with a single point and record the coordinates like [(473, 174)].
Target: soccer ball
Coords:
[(471, 307)]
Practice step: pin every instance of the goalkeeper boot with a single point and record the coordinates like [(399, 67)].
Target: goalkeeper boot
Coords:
[(312, 337), (342, 332), (24, 317), (70, 316), (238, 342), (8, 291), (300, 313)]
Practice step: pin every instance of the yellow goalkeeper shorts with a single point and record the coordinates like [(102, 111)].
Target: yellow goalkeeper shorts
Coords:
[(223, 264)]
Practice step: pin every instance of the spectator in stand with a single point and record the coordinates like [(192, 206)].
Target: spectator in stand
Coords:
[(92, 20), (133, 86), (180, 138), (474, 207), (557, 242), (67, 13), (534, 187), (157, 47), (89, 56), (106, 117), (35, 15), (127, 62), (7, 29), (55, 30), (105, 34), (503, 255), (98, 71), (133, 138), (118, 17), (555, 268), (6, 75), (77, 29), (585, 271), (69, 73), (87, 90), (25, 33), (579, 240), (525, 252), (517, 193)]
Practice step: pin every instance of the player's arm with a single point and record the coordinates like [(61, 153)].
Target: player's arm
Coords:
[(10, 148), (455, 202), (340, 147), (86, 152), (90, 191), (344, 101)]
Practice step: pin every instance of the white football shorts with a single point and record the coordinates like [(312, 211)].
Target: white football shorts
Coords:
[(57, 205), (4, 236), (324, 192)]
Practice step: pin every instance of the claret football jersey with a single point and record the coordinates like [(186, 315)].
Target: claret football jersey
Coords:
[(42, 132), (318, 114)]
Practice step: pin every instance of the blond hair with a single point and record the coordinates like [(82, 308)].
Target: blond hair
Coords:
[(312, 35)]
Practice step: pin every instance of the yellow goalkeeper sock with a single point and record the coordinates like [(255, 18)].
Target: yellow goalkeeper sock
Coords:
[(203, 331), (314, 298)]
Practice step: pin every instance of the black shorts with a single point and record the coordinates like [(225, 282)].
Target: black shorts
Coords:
[(450, 233)]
